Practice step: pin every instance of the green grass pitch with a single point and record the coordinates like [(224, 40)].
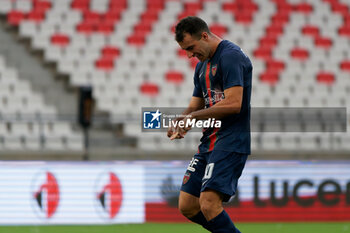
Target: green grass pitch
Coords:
[(338, 227)]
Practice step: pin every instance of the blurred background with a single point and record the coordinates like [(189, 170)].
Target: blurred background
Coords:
[(75, 74)]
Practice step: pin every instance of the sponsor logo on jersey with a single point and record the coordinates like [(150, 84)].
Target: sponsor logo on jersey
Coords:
[(214, 69)]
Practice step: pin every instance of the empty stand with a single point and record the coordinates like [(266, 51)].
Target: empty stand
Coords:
[(127, 52)]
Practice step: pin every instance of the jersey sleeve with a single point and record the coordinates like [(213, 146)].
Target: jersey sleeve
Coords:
[(232, 69), (197, 91)]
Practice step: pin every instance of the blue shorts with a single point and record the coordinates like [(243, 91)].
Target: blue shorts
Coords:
[(216, 170)]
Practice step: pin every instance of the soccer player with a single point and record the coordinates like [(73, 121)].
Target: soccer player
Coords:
[(222, 89)]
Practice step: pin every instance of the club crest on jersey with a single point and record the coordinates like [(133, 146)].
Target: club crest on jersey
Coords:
[(214, 69)]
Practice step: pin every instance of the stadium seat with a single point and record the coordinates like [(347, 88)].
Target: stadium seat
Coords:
[(15, 17), (60, 40), (345, 65), (299, 53), (149, 89), (105, 64), (175, 77), (326, 78)]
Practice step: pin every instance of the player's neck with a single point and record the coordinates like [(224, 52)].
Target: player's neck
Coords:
[(215, 41)]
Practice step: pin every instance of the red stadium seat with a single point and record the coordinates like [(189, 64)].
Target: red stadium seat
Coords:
[(181, 53), (149, 16), (274, 30), (118, 5), (346, 19), (85, 28), (303, 8), (193, 6), (284, 8), (310, 30), (299, 54), (111, 17), (105, 64), (61, 40), (323, 42), (263, 53), (249, 6), (325, 77), (91, 17), (344, 31), (230, 6), (175, 77), (41, 6), (280, 19), (330, 1), (242, 10), (80, 4), (275, 65), (110, 52), (269, 77), (193, 62), (345, 65), (245, 18), (105, 28), (149, 89), (36, 16), (15, 17), (268, 42), (136, 40), (218, 29), (155, 4), (143, 28), (340, 8)]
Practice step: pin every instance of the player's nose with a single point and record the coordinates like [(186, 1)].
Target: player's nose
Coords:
[(189, 54)]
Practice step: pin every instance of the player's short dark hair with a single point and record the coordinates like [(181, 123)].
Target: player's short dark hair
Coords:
[(192, 25)]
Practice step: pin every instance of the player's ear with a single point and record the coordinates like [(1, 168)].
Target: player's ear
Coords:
[(205, 35)]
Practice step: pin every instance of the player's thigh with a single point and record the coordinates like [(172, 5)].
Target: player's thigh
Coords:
[(223, 171)]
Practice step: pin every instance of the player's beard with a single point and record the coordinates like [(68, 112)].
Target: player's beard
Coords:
[(200, 57)]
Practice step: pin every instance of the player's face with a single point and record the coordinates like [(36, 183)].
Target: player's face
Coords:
[(195, 47)]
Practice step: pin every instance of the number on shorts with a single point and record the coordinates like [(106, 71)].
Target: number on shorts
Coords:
[(209, 171)]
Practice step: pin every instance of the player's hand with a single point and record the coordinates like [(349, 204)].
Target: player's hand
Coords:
[(173, 133), (176, 135), (182, 131)]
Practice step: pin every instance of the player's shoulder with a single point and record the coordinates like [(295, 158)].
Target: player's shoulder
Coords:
[(230, 49), (232, 52)]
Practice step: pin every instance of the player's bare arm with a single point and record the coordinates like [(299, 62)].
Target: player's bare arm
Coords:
[(228, 106)]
